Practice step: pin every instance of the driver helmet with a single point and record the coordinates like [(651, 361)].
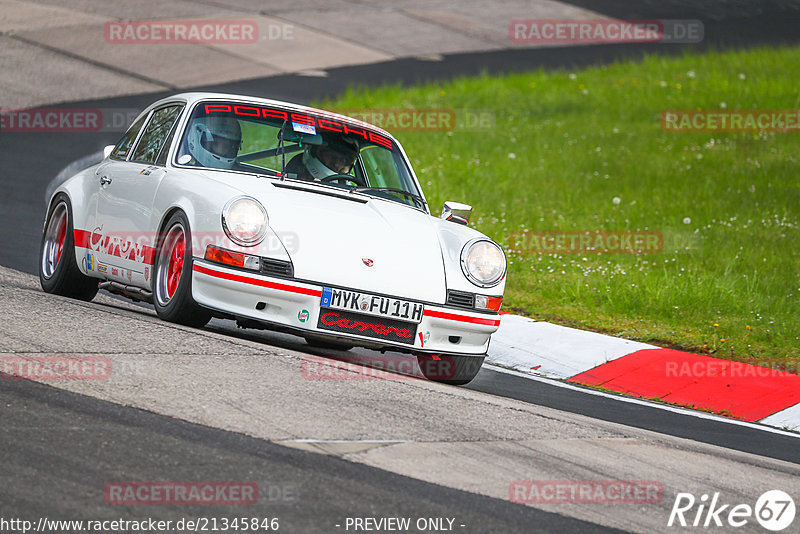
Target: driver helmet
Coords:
[(215, 141), (333, 156)]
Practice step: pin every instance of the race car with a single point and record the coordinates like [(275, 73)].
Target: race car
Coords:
[(277, 216)]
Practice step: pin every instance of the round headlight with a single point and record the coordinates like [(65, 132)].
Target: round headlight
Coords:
[(483, 263), (244, 220)]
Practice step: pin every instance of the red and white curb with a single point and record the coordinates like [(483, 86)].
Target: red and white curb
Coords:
[(738, 390)]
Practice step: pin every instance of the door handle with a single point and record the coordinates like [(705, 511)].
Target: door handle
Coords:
[(105, 180)]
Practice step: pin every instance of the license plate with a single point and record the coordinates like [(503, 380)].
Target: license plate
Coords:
[(390, 308), (366, 325)]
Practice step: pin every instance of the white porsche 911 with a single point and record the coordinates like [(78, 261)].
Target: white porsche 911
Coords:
[(277, 216)]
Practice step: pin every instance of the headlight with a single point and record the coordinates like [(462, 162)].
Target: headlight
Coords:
[(483, 263), (244, 220)]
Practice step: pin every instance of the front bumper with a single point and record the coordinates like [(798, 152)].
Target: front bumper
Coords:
[(296, 306)]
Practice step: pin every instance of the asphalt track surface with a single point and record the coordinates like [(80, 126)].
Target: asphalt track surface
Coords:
[(715, 431), (96, 439), (100, 441)]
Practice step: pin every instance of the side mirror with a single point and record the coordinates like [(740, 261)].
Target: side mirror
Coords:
[(107, 151), (456, 212)]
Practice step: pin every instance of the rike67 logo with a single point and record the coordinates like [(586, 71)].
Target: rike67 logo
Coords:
[(774, 510)]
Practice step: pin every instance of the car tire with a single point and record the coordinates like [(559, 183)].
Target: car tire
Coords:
[(449, 369), (323, 344), (58, 267), (172, 275)]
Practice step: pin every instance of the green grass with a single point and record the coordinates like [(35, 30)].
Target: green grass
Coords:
[(565, 144)]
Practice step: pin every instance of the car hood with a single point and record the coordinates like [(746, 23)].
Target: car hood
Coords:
[(377, 246)]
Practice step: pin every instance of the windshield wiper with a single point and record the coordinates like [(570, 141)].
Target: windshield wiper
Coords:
[(416, 198)]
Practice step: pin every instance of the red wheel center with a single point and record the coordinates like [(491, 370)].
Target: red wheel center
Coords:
[(175, 266), (60, 238)]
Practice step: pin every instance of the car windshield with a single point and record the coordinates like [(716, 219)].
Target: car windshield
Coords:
[(284, 144)]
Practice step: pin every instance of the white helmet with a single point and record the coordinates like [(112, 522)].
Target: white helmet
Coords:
[(215, 141), (335, 156)]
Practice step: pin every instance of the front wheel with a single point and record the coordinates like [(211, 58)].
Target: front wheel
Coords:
[(448, 369), (172, 295), (58, 266)]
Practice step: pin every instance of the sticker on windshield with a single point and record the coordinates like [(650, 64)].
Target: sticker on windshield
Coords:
[(304, 128)]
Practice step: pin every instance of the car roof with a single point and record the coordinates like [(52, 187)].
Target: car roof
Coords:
[(194, 97)]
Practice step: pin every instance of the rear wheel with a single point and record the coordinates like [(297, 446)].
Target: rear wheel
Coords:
[(172, 295), (58, 266), (448, 369)]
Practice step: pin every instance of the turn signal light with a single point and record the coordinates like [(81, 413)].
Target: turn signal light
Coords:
[(482, 302), (227, 257)]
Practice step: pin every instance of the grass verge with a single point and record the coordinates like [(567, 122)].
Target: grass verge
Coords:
[(585, 151)]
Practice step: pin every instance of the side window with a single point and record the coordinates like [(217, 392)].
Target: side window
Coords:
[(124, 146), (155, 134), (380, 167), (162, 157)]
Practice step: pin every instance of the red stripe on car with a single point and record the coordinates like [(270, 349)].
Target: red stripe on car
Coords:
[(103, 244), (257, 282), (462, 318), (83, 238)]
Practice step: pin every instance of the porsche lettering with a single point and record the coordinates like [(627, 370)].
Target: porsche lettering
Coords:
[(115, 245), (332, 318), (310, 120), (346, 322)]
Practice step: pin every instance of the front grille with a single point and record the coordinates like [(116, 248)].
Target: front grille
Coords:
[(461, 299), (273, 267)]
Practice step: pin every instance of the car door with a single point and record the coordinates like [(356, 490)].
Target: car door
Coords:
[(95, 237), (125, 200)]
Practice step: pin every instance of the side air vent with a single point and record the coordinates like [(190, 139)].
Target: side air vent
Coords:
[(273, 267), (461, 299)]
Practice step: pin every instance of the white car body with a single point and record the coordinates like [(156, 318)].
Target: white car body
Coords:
[(331, 238)]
